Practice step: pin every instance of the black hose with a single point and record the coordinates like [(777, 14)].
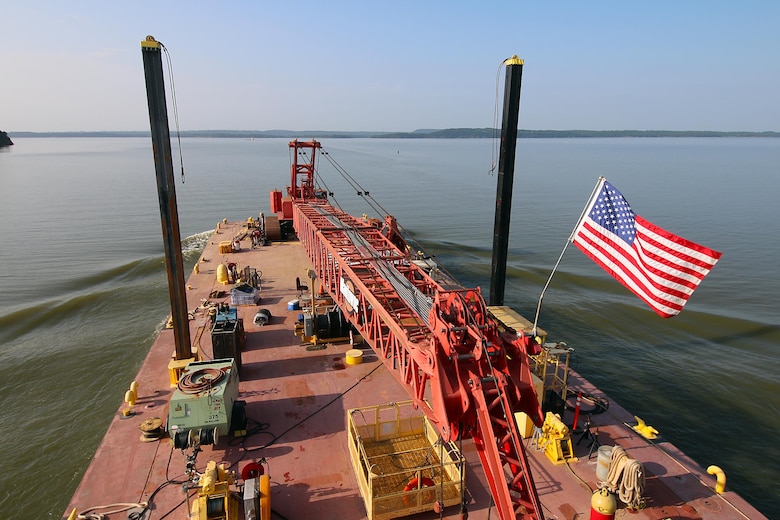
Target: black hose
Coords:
[(600, 404)]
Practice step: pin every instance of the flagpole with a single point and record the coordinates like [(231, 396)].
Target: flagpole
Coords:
[(585, 211)]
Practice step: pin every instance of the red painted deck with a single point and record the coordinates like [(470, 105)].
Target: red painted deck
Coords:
[(300, 398)]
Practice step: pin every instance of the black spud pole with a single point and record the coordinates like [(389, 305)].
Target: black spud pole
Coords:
[(166, 191), (506, 171)]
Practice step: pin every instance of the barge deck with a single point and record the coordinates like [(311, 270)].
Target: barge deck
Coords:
[(297, 397)]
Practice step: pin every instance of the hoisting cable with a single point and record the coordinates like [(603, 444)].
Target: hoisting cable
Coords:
[(355, 185), (417, 302), (495, 148), (175, 107), (331, 195), (320, 179), (411, 295), (374, 204)]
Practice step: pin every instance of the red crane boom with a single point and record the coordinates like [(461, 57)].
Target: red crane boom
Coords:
[(442, 345)]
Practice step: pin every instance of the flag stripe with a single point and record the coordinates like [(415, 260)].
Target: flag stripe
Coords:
[(623, 264), (699, 257), (661, 268), (663, 264)]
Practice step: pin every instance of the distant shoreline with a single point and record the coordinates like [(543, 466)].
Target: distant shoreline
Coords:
[(450, 133)]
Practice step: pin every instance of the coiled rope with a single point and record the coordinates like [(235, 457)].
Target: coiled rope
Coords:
[(201, 380), (89, 514), (626, 478)]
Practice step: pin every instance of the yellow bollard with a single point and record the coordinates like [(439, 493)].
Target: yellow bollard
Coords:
[(222, 274), (354, 356), (720, 476)]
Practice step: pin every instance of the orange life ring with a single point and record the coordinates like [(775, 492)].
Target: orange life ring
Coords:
[(415, 484)]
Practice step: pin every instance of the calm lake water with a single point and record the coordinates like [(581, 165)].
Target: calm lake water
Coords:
[(84, 284)]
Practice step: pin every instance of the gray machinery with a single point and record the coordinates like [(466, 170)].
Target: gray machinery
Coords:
[(205, 404), (227, 334)]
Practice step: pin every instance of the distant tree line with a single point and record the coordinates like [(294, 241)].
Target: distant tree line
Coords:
[(448, 133), (470, 133)]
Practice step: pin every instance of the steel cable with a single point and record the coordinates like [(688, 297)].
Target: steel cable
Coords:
[(201, 380)]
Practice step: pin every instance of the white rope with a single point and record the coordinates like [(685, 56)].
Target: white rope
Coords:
[(88, 514), (626, 478), (633, 484), (616, 464)]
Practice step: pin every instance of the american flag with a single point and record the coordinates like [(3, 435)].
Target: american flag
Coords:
[(660, 267)]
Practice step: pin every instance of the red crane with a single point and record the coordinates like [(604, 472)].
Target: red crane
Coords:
[(442, 345)]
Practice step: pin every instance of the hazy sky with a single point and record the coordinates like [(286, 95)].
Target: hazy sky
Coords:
[(394, 65)]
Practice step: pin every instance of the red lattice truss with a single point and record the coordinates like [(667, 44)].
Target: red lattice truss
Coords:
[(467, 377)]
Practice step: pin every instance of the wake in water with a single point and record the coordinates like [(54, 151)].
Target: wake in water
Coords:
[(193, 245), (120, 290)]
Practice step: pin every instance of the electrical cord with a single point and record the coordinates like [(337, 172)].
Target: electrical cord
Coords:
[(275, 438), (260, 428), (600, 405), (137, 515)]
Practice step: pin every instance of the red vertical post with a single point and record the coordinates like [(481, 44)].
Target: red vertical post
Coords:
[(577, 411)]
